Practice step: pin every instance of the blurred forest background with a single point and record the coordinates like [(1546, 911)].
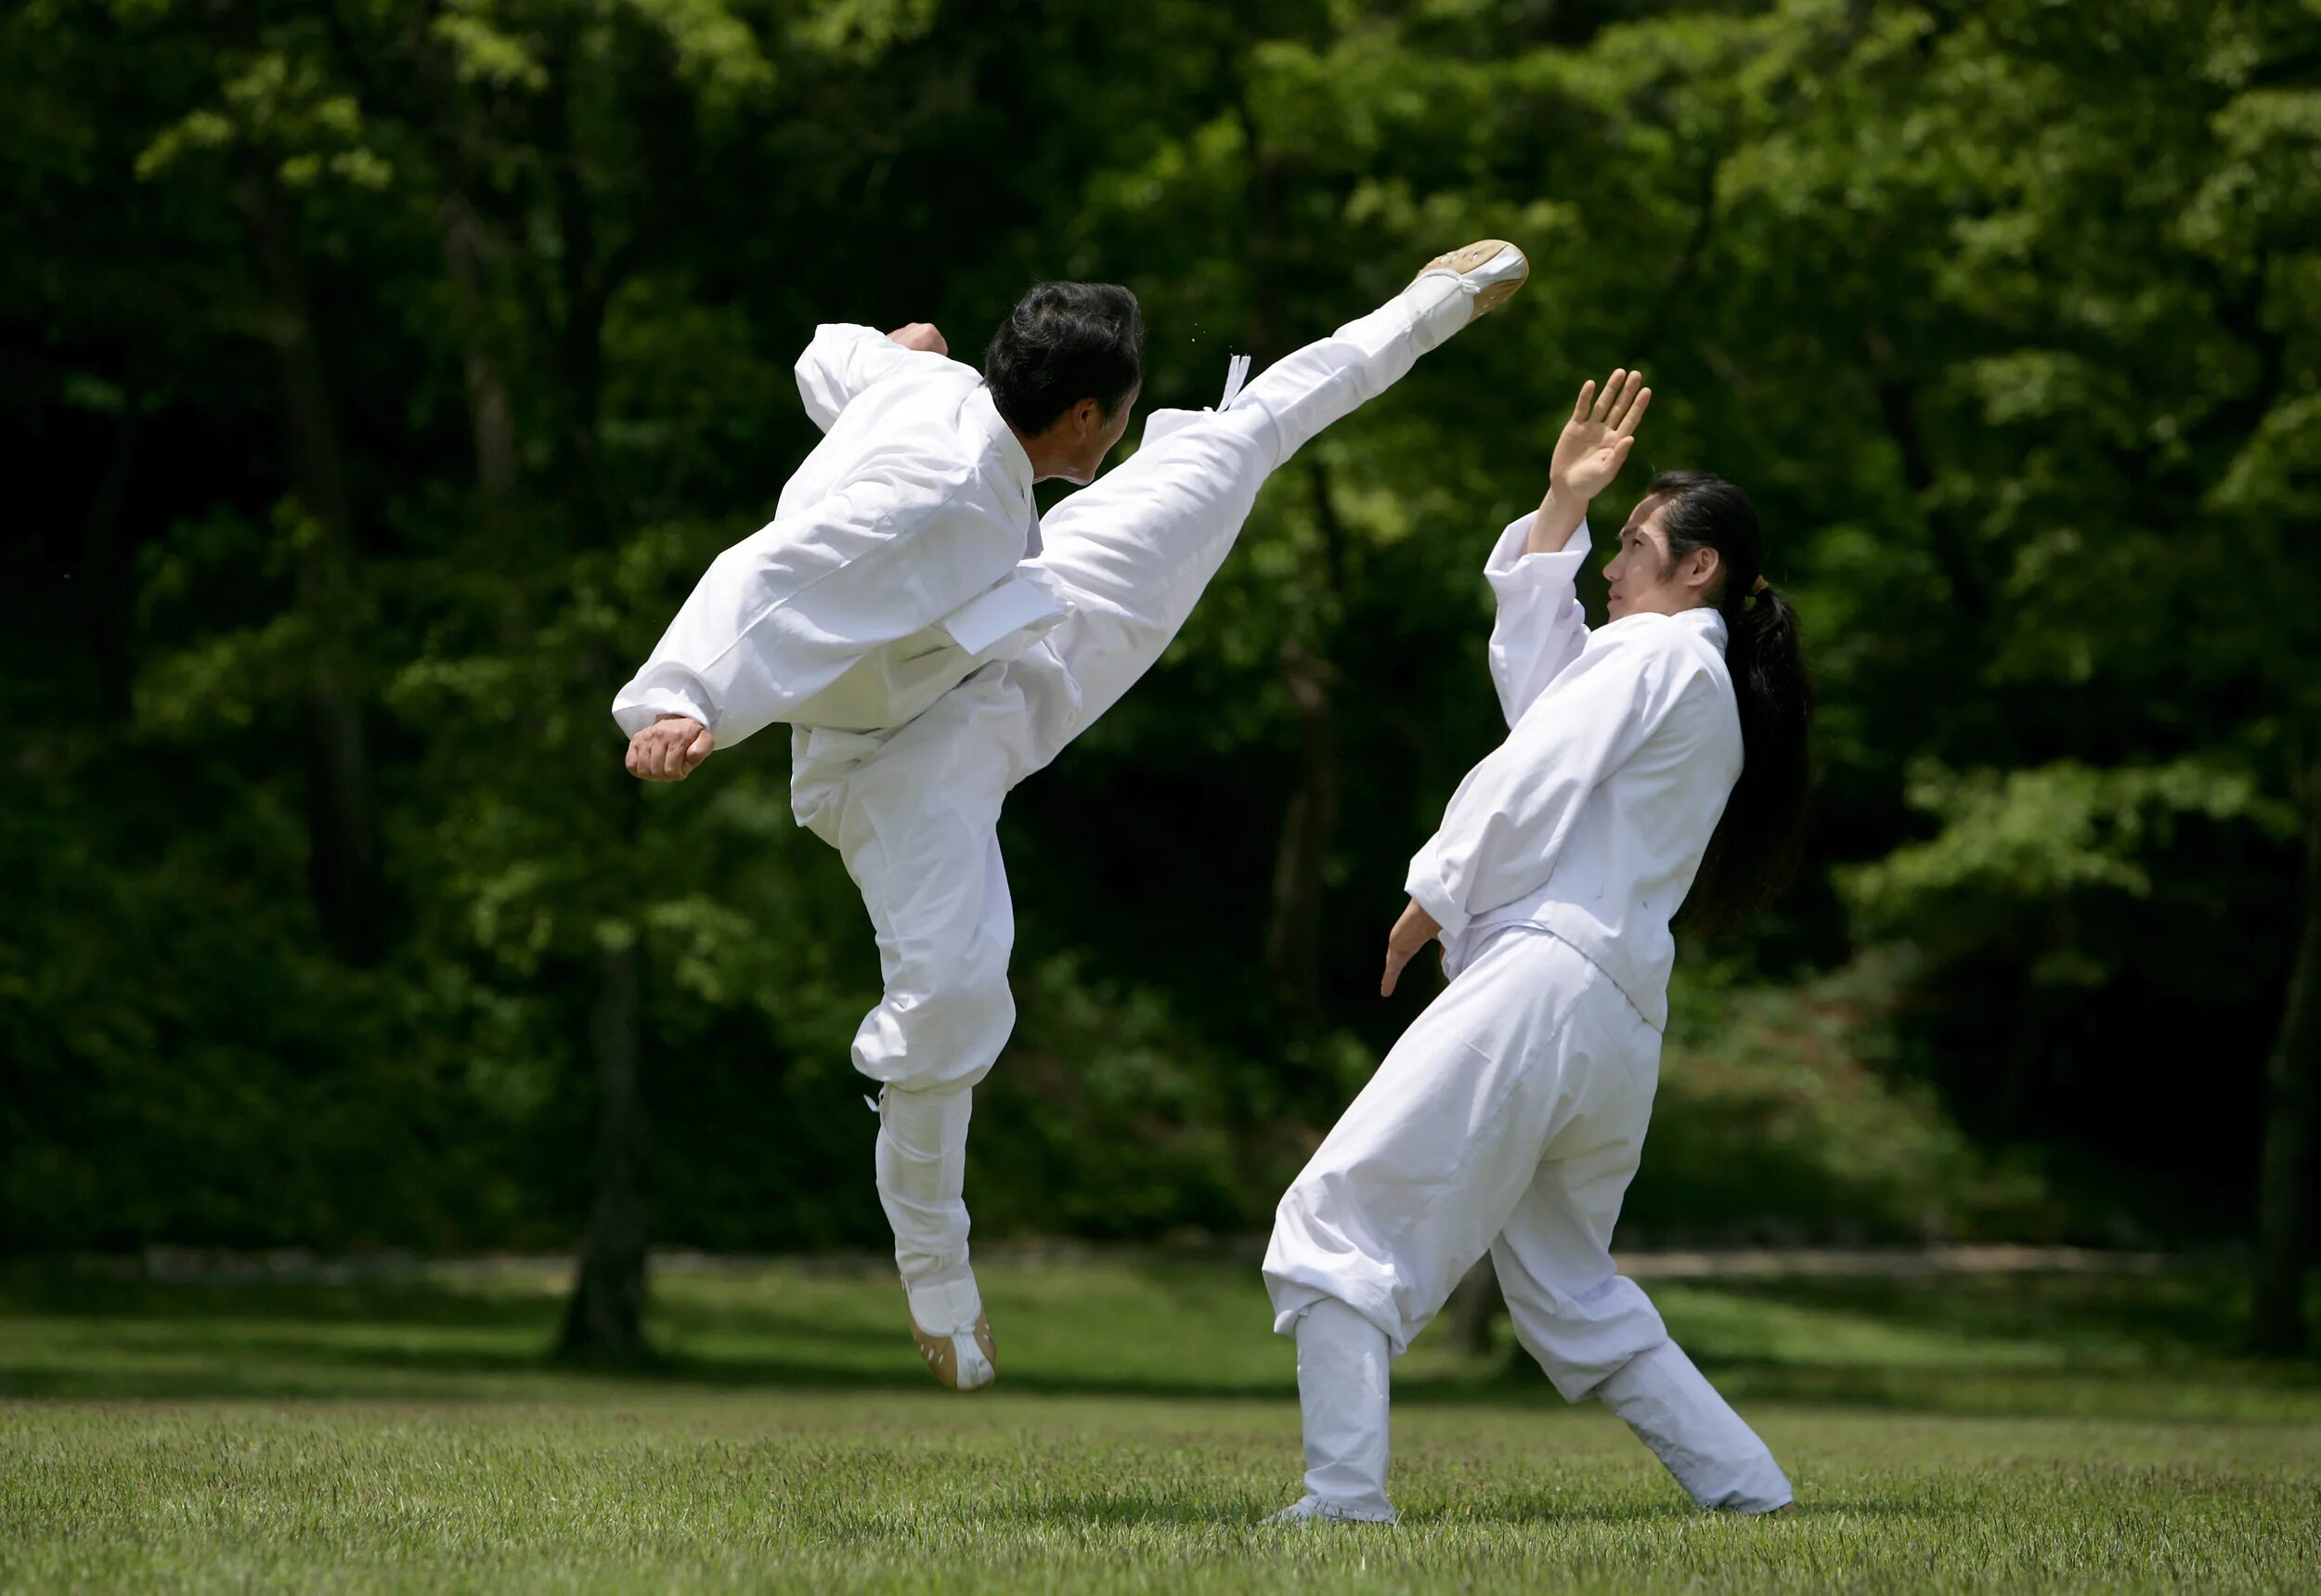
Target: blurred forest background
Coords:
[(376, 375)]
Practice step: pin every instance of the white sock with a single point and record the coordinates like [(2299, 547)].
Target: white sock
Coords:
[(947, 1305), (1342, 1380), (1713, 1453), (922, 1169), (1441, 304)]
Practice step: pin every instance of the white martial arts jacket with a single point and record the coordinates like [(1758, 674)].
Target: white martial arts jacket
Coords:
[(1591, 820), (889, 571)]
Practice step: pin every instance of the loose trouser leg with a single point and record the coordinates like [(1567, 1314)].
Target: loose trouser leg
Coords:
[(1524, 1053), (1527, 1052), (917, 825), (1596, 1333), (1134, 552)]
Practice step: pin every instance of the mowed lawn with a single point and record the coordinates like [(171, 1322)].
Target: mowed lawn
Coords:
[(1970, 1432)]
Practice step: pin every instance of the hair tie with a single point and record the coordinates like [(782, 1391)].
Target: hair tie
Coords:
[(1758, 586)]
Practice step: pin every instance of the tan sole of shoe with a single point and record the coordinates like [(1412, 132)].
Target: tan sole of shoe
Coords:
[(942, 1358), (1466, 260)]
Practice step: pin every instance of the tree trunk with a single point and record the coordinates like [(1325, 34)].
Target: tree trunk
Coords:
[(491, 413), (604, 1320), (1477, 1303), (1309, 826), (2285, 1196), (343, 829), (1294, 931)]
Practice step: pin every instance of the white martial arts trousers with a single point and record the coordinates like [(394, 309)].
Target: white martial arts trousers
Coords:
[(1509, 1117), (915, 810)]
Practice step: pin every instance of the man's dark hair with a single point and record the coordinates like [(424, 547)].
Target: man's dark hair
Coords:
[(1063, 342)]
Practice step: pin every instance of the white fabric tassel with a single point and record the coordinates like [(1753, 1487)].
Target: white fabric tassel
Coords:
[(1236, 373)]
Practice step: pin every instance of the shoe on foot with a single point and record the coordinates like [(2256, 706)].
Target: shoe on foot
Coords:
[(1312, 1509), (955, 1336), (1492, 267)]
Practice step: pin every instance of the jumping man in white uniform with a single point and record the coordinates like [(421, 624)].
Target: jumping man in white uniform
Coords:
[(1511, 1114), (932, 644)]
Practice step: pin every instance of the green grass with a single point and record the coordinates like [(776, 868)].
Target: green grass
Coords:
[(1965, 1434)]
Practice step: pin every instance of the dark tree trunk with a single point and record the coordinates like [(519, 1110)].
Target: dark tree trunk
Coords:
[(1478, 1304), (604, 1320), (491, 413), (2285, 1194), (1294, 931), (343, 830)]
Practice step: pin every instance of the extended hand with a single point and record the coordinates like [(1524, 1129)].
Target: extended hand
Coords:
[(1597, 439), (1412, 932), (921, 335), (670, 749)]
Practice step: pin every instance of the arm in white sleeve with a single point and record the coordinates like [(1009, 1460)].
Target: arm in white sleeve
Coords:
[(783, 613), (661, 688), (1507, 823), (1541, 628), (844, 359)]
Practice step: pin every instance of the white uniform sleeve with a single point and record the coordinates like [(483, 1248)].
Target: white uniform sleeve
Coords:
[(783, 613), (1507, 821), (1541, 628), (844, 359)]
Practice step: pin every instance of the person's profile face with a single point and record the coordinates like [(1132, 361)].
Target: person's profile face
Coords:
[(1642, 578)]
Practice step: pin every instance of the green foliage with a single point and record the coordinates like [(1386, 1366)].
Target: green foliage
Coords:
[(1782, 1117), (2029, 836), (385, 373)]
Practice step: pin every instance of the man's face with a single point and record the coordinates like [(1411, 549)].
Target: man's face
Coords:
[(1643, 579), (1090, 434)]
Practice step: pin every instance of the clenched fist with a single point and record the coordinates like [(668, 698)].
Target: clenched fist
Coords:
[(921, 335), (670, 749)]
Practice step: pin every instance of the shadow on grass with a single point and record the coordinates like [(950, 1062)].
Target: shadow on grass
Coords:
[(2192, 1314), (111, 1339), (61, 1291), (288, 1368)]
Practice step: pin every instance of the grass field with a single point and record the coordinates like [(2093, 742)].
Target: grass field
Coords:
[(1972, 1432)]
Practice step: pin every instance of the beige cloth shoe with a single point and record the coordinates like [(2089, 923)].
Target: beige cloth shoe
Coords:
[(1497, 266), (964, 1359)]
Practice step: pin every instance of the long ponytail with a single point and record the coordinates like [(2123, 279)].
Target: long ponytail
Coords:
[(1753, 851)]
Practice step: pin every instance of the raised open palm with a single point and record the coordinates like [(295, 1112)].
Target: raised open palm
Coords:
[(1597, 439)]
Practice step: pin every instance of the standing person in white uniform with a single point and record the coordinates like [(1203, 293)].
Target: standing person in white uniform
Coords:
[(1510, 1116), (911, 802)]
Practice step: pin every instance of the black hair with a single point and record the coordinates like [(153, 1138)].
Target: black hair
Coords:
[(1753, 851), (1063, 342)]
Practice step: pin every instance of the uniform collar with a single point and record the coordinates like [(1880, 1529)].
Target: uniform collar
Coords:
[(998, 443), (1707, 622)]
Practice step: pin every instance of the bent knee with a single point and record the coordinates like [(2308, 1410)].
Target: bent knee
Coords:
[(945, 1034), (963, 999)]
